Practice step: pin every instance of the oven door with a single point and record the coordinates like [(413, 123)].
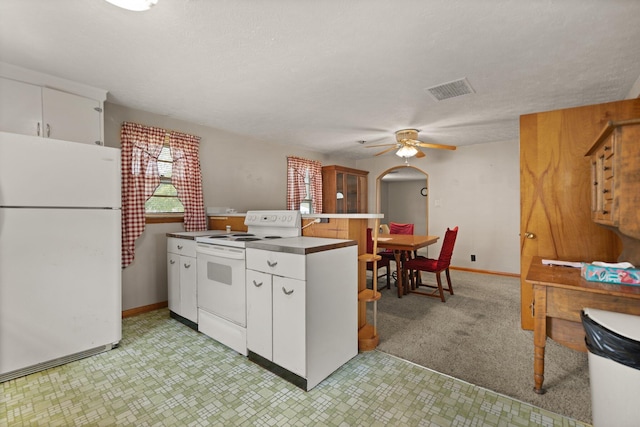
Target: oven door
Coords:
[(221, 282)]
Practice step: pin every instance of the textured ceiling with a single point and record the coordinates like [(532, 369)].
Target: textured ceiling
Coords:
[(325, 74)]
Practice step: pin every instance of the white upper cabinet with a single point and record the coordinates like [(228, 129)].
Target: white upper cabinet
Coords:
[(20, 107), (36, 104), (71, 117)]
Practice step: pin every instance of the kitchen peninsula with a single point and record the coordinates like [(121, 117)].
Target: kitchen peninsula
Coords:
[(351, 226)]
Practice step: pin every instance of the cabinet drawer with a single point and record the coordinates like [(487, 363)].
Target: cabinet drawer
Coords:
[(277, 263), (181, 246), (607, 190), (607, 168), (606, 214)]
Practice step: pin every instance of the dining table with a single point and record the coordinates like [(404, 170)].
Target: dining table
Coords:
[(400, 244)]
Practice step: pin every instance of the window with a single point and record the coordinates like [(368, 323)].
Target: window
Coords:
[(304, 185), (165, 198), (163, 166)]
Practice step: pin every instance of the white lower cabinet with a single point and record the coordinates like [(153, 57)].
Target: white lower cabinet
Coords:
[(302, 312), (289, 324), (181, 278), (259, 313)]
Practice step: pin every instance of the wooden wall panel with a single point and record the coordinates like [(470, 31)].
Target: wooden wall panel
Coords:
[(555, 188)]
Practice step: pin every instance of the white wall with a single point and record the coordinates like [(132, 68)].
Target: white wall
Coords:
[(236, 172), (477, 188), (404, 203)]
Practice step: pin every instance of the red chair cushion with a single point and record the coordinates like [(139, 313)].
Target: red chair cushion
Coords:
[(443, 261), (424, 264)]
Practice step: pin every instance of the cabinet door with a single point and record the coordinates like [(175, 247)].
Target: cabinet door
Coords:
[(71, 117), (259, 314), (188, 299), (20, 107), (173, 282), (289, 324), (352, 193), (341, 193)]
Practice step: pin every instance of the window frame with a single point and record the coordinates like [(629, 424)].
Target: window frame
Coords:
[(164, 217)]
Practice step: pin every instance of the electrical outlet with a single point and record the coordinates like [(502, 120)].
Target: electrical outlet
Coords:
[(473, 258)]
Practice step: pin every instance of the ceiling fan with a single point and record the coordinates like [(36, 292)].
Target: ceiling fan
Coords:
[(408, 145)]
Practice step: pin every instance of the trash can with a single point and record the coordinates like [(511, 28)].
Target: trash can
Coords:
[(613, 341)]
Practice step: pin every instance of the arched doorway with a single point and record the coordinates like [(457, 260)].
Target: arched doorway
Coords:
[(402, 195)]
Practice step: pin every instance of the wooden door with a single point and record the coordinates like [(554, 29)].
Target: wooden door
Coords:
[(555, 209)]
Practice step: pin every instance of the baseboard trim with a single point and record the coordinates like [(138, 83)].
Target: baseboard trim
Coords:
[(144, 309), (473, 270)]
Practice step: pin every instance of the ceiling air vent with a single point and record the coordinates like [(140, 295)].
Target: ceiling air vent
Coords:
[(450, 90)]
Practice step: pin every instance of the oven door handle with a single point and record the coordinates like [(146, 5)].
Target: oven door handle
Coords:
[(220, 251)]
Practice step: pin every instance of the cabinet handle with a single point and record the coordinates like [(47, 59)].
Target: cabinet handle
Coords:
[(38, 128), (180, 247), (605, 212), (606, 168), (48, 130), (287, 292), (172, 261), (529, 235), (256, 284), (605, 191), (187, 265), (607, 148), (272, 264)]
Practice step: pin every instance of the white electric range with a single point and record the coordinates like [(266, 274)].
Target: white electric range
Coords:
[(221, 274)]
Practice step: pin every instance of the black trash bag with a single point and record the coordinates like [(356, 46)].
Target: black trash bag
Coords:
[(609, 344)]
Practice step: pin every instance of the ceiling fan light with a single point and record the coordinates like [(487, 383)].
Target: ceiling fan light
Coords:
[(134, 5), (406, 151)]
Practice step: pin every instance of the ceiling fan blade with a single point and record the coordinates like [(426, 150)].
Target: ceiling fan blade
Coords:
[(415, 142), (386, 151), (381, 145)]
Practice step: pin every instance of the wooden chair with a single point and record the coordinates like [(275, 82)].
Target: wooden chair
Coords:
[(383, 262), (436, 266)]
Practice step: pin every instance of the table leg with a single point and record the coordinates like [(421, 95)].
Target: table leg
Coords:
[(396, 255), (539, 336)]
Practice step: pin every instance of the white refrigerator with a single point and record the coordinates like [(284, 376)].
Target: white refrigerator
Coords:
[(60, 240)]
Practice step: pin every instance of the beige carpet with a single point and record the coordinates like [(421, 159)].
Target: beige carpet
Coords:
[(476, 336)]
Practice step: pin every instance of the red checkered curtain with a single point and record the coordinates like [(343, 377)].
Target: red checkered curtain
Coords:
[(297, 169), (141, 146), (187, 178)]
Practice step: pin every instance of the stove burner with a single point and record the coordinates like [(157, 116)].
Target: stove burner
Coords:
[(247, 239), (218, 236), (272, 237), (242, 235)]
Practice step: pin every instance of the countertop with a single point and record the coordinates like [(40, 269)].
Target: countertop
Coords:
[(191, 235), (345, 216), (301, 245), (311, 216)]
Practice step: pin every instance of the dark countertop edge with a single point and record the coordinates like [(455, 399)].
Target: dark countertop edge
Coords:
[(177, 236), (184, 235), (298, 250)]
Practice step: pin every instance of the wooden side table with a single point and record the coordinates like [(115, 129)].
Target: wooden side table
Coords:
[(559, 295)]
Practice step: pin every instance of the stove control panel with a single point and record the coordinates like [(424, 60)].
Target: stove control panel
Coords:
[(286, 219)]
